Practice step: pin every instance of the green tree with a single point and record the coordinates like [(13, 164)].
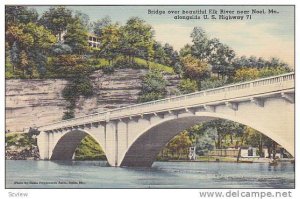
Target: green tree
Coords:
[(221, 57), (244, 135), (14, 56), (110, 42), (84, 19), (16, 33), (35, 41), (211, 51), (60, 48), (180, 145), (43, 39), (224, 128), (200, 47), (23, 62), (159, 53), (205, 141), (100, 24), (246, 74), (153, 87), (57, 19), (185, 51), (137, 36), (272, 71), (76, 37), (70, 66), (195, 69), (253, 62), (171, 56), (78, 85), (187, 86), (213, 83), (69, 114), (19, 14)]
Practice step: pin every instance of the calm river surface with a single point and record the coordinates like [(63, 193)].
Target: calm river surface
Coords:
[(95, 174)]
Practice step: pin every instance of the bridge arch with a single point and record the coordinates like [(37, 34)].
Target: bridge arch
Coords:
[(144, 150), (65, 147)]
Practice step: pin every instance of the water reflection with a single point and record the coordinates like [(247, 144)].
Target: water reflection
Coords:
[(96, 174)]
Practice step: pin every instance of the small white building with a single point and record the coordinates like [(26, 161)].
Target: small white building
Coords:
[(248, 152), (94, 41)]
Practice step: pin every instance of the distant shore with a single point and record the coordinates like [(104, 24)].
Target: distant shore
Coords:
[(231, 159)]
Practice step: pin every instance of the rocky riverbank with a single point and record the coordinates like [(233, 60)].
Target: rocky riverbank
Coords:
[(28, 153), (20, 146)]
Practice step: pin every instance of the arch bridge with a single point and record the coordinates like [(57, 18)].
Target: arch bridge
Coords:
[(134, 135)]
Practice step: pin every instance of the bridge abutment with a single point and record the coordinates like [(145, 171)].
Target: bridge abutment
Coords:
[(133, 136)]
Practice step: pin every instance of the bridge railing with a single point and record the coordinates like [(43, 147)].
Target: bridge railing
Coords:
[(169, 102)]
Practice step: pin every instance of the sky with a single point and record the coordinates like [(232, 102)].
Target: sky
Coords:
[(265, 35)]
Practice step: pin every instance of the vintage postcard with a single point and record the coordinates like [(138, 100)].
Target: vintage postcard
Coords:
[(155, 97)]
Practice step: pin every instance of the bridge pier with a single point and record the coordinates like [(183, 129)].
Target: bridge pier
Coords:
[(133, 136), (43, 145)]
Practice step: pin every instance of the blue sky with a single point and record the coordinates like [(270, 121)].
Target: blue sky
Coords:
[(264, 35)]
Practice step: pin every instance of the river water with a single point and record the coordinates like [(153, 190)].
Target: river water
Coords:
[(95, 174)]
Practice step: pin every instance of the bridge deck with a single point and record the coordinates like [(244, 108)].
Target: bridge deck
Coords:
[(227, 94)]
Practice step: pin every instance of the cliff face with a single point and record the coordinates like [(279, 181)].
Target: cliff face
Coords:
[(38, 102)]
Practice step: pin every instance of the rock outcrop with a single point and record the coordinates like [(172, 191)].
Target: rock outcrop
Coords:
[(37, 102), (25, 153)]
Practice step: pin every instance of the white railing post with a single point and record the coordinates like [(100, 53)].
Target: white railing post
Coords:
[(148, 106)]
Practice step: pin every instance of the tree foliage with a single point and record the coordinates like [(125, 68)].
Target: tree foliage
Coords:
[(211, 51), (56, 19), (187, 86), (195, 68), (246, 74), (137, 36), (70, 65), (19, 14), (110, 41), (213, 83), (179, 145), (153, 86), (100, 24), (76, 37), (34, 41)]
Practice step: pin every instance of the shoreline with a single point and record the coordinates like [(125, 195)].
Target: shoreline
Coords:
[(292, 161), (233, 160)]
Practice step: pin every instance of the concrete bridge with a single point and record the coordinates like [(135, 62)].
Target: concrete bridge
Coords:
[(134, 135)]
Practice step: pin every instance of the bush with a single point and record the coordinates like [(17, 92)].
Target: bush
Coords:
[(187, 86), (68, 115), (20, 140), (153, 87), (94, 62), (272, 71), (9, 75), (150, 97), (80, 86), (212, 83), (154, 82)]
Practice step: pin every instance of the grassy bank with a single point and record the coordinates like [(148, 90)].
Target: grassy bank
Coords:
[(100, 63), (19, 140), (215, 159), (89, 149)]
